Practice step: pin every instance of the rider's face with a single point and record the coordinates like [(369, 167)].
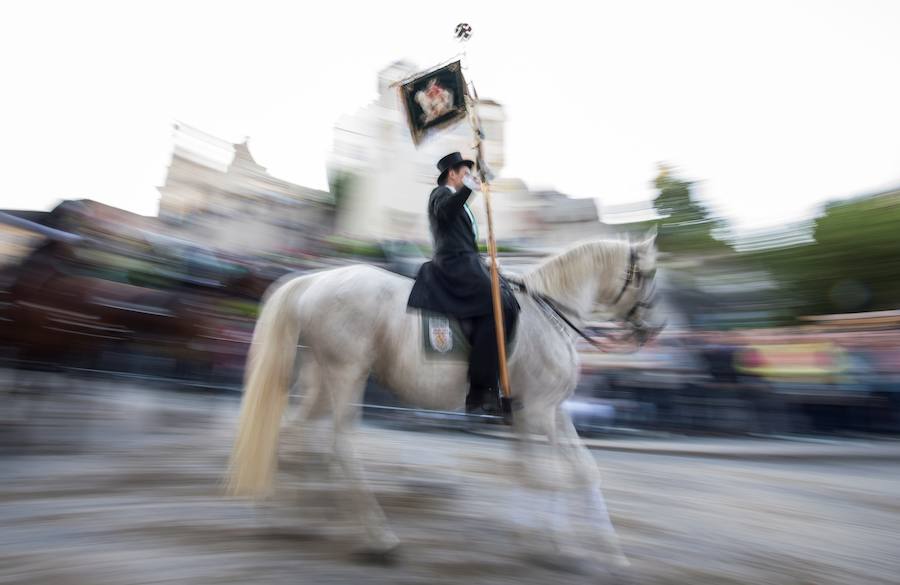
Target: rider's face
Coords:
[(455, 176)]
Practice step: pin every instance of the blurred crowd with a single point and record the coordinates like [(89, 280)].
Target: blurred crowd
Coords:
[(101, 290), (93, 294), (773, 380)]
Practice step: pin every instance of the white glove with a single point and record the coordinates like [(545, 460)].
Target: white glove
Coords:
[(471, 182)]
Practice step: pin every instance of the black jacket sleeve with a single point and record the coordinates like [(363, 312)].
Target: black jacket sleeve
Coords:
[(446, 204)]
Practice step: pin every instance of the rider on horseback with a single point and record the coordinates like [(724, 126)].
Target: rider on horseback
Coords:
[(457, 282)]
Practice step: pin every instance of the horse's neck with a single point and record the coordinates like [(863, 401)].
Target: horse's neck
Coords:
[(578, 277)]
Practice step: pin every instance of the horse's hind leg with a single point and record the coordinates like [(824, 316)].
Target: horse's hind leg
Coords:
[(345, 386), (302, 447)]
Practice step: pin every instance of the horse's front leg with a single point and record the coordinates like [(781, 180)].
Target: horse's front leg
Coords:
[(541, 503), (587, 476), (526, 515)]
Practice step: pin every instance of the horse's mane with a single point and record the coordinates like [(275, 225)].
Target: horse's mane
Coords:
[(562, 276)]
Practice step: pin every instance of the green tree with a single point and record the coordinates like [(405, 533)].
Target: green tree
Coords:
[(686, 224), (852, 263), (340, 184)]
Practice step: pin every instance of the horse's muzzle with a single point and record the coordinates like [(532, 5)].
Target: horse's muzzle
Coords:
[(643, 333)]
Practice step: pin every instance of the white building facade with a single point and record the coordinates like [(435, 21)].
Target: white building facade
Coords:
[(217, 194)]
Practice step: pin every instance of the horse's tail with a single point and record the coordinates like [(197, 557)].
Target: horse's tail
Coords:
[(266, 383)]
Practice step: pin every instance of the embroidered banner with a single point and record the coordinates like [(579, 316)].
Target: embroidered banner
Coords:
[(434, 100)]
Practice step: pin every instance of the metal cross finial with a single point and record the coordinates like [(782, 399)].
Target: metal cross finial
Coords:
[(463, 31)]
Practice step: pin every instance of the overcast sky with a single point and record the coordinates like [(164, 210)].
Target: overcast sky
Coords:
[(772, 106)]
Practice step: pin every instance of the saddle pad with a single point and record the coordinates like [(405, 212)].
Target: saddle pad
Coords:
[(443, 338)]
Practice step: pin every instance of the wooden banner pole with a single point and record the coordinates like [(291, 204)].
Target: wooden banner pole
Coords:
[(495, 282)]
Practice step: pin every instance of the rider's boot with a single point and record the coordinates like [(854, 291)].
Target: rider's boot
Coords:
[(483, 401)]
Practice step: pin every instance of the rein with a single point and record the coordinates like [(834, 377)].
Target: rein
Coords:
[(551, 304)]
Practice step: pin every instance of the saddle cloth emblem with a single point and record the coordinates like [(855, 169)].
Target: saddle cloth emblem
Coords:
[(440, 334)]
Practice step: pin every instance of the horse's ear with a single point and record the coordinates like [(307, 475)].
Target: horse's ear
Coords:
[(650, 237)]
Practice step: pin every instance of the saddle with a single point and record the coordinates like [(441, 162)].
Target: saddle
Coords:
[(445, 336), (448, 337)]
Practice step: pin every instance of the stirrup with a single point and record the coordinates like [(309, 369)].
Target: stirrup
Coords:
[(485, 404), (507, 407)]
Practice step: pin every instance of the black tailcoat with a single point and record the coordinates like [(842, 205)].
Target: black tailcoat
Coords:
[(456, 282)]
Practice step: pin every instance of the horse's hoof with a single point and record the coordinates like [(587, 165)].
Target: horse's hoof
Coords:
[(384, 556), (561, 562), (615, 557), (620, 570)]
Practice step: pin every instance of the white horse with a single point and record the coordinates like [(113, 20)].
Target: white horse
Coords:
[(354, 322)]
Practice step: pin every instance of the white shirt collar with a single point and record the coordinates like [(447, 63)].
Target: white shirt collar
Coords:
[(452, 190)]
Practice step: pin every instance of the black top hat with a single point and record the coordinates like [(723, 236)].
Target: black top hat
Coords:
[(446, 164)]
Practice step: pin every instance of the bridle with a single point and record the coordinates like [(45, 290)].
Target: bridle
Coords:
[(631, 274), (633, 277)]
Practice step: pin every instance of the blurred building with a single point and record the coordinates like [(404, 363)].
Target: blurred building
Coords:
[(20, 232), (564, 220), (217, 194), (382, 180)]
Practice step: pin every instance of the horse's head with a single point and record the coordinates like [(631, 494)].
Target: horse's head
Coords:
[(609, 276), (634, 291)]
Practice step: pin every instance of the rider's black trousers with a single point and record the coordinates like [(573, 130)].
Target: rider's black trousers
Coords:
[(484, 359)]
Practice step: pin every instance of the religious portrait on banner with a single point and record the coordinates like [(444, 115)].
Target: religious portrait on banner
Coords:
[(434, 100)]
